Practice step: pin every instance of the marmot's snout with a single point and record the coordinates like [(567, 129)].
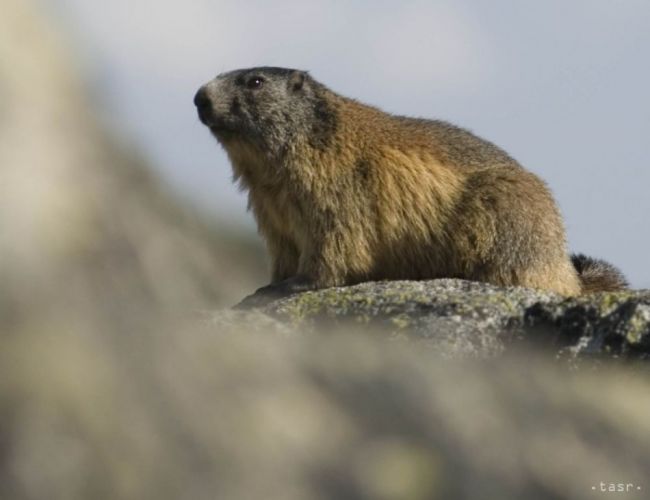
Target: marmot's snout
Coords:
[(203, 105)]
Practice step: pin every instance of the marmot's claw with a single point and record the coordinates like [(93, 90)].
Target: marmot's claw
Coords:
[(256, 300), (275, 291)]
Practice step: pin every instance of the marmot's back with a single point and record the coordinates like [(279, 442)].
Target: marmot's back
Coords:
[(343, 192)]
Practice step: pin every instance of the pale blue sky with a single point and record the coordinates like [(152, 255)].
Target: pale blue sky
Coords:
[(563, 86)]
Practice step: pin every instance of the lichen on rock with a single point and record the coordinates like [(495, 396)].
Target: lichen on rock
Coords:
[(463, 318)]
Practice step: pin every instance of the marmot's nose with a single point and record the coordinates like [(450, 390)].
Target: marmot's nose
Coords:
[(202, 100)]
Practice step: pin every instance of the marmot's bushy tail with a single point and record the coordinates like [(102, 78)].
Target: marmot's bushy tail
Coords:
[(597, 275)]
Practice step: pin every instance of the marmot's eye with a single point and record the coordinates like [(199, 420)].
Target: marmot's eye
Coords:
[(255, 82)]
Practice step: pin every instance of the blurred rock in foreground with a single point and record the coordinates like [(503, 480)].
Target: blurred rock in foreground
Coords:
[(107, 392), (262, 413), (82, 221)]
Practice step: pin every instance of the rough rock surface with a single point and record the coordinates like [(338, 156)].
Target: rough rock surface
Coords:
[(462, 318)]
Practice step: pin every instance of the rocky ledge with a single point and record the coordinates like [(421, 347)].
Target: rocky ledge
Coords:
[(462, 319)]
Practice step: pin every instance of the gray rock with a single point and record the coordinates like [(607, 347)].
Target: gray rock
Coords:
[(598, 326), (462, 318)]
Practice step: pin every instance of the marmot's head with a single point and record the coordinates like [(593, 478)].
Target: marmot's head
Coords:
[(270, 107)]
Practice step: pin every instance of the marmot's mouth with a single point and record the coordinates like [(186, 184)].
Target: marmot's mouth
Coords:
[(207, 117), (220, 126), (215, 123), (222, 130)]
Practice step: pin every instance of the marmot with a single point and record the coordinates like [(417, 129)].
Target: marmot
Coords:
[(343, 193)]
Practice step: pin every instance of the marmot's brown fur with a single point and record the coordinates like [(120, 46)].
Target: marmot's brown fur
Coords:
[(343, 192)]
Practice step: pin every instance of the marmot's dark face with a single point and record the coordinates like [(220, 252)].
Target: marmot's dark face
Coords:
[(267, 106)]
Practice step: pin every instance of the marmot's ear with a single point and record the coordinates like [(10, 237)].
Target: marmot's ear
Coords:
[(296, 80)]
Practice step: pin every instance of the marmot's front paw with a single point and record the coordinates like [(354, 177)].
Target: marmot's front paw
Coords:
[(275, 291)]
